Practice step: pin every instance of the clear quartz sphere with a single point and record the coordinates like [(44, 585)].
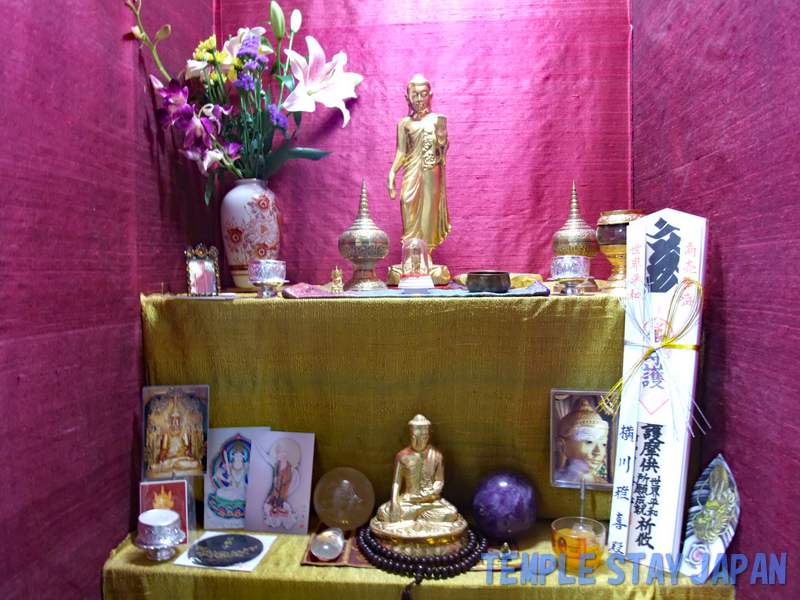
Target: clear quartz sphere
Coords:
[(328, 544), (344, 498)]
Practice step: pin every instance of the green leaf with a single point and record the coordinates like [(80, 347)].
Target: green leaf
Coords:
[(211, 188), (308, 153), (266, 41), (287, 80), (276, 160), (297, 116)]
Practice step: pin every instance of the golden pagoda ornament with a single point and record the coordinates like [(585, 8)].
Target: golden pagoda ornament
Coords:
[(364, 244), (575, 238)]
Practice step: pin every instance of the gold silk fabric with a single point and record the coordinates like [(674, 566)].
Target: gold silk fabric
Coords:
[(129, 575), (354, 371)]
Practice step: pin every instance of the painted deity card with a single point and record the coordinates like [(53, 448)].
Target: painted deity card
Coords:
[(279, 482), (227, 476), (712, 520), (175, 431), (170, 495), (582, 438)]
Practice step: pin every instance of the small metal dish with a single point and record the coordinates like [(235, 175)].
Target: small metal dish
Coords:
[(497, 282)]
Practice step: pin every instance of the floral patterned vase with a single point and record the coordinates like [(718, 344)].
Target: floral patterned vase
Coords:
[(251, 227)]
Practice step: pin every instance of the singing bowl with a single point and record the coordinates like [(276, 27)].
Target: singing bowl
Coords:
[(489, 281)]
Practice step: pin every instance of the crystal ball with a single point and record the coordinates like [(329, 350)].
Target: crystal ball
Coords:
[(329, 544), (504, 505), (344, 498)]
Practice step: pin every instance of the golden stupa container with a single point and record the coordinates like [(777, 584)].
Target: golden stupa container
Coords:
[(364, 244), (612, 236), (575, 238)]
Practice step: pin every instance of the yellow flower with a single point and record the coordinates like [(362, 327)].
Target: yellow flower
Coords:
[(202, 55), (209, 44), (220, 56), (213, 76)]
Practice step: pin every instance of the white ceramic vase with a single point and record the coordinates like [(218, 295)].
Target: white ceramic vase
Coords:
[(251, 227)]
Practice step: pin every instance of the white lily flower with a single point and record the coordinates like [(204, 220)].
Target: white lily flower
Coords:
[(318, 81)]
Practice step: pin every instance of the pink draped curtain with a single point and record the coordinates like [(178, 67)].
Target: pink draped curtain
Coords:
[(536, 94)]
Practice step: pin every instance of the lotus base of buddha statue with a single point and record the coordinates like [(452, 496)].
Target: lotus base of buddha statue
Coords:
[(420, 538), (439, 273)]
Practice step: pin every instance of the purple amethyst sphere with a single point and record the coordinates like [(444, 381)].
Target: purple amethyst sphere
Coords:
[(504, 505)]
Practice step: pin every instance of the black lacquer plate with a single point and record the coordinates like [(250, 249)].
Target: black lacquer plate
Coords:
[(225, 550)]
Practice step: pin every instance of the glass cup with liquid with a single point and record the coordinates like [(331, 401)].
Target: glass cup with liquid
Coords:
[(574, 536)]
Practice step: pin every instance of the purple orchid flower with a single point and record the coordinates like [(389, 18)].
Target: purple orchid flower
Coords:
[(214, 113), (174, 95), (232, 150), (198, 130)]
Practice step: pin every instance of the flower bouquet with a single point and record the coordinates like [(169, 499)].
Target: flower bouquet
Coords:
[(230, 105)]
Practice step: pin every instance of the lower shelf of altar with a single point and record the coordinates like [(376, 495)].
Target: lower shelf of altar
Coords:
[(128, 574)]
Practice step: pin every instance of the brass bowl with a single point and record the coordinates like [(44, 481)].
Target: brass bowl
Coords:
[(497, 282)]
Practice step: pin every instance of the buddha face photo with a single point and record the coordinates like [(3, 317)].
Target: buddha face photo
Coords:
[(581, 440)]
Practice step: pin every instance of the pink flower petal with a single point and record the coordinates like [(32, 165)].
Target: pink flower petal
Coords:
[(316, 61), (299, 66)]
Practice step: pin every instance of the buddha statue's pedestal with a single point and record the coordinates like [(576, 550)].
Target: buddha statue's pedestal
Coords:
[(420, 539)]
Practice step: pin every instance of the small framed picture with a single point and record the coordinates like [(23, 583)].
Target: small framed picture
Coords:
[(202, 271), (175, 431), (582, 440)]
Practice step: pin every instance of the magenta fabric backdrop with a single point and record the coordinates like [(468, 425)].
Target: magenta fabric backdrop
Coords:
[(716, 133), (94, 212), (536, 95)]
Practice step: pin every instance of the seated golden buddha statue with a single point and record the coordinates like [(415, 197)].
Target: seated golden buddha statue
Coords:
[(416, 509)]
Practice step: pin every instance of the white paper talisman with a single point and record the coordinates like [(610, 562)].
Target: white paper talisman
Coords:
[(655, 411)]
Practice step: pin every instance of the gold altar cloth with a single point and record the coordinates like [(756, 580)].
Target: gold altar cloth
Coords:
[(354, 371), (128, 575)]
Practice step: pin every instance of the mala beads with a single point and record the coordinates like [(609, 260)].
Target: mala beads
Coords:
[(428, 567)]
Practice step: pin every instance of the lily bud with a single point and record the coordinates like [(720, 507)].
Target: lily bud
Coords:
[(164, 32), (296, 20), (277, 20), (136, 32)]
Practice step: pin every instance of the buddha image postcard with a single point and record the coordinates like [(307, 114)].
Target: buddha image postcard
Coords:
[(175, 423), (279, 482)]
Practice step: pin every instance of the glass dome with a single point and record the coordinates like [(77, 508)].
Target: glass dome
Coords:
[(415, 258)]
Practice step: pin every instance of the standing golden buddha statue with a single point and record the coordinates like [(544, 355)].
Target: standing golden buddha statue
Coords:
[(421, 148)]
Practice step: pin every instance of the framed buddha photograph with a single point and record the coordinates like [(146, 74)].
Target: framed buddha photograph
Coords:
[(582, 440), (202, 271)]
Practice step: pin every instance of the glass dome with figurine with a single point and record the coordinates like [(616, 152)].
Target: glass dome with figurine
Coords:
[(416, 276)]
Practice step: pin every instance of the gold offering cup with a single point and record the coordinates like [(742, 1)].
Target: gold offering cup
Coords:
[(576, 537), (612, 236)]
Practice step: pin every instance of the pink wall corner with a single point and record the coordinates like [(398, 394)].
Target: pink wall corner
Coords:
[(95, 211), (715, 133)]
